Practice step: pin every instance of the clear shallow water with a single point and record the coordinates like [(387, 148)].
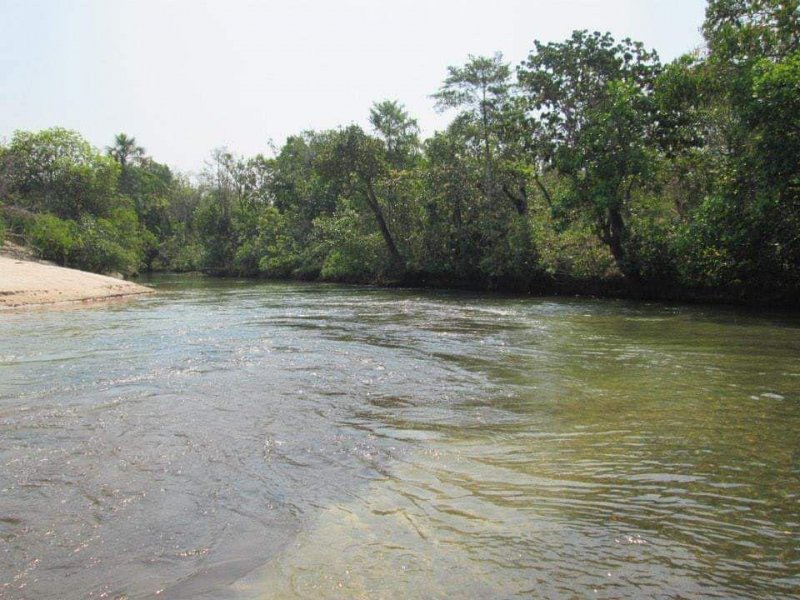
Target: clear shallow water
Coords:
[(228, 439)]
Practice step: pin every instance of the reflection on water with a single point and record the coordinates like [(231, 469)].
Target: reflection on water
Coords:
[(229, 439)]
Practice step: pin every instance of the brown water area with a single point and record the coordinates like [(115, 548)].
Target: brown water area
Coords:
[(238, 439)]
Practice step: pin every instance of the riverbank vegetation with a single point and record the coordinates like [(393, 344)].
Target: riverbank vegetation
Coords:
[(590, 167)]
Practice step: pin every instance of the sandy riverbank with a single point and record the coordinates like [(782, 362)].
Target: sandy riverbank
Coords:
[(25, 283)]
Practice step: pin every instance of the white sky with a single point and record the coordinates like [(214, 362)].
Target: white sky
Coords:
[(186, 76)]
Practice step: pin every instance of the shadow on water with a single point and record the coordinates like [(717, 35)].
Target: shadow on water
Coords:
[(230, 438)]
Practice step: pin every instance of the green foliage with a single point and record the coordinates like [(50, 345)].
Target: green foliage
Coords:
[(650, 248), (744, 236), (55, 239), (480, 89), (451, 223), (570, 251), (400, 133), (741, 250), (740, 31), (351, 254), (180, 252), (215, 232), (125, 150), (591, 103), (713, 245), (359, 162), (278, 253), (513, 260), (95, 244), (108, 245), (774, 117), (57, 171), (267, 249)]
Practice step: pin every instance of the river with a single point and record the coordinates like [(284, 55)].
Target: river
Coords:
[(251, 440)]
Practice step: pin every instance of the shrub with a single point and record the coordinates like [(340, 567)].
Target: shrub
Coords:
[(351, 254), (105, 246), (53, 238)]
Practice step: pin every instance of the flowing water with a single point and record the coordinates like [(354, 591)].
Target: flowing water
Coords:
[(230, 439)]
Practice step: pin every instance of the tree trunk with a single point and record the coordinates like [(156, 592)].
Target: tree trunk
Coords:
[(543, 189), (520, 202), (372, 199), (614, 234)]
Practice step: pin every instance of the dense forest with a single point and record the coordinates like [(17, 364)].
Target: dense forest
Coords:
[(590, 167)]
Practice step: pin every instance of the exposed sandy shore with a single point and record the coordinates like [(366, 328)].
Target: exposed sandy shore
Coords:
[(25, 283)]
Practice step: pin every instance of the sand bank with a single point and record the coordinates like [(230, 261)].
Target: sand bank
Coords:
[(25, 283)]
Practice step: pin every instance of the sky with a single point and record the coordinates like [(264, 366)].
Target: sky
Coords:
[(187, 76)]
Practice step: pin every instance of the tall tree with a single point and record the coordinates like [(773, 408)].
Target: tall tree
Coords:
[(398, 131), (360, 161), (125, 150), (591, 98), (747, 229), (480, 89)]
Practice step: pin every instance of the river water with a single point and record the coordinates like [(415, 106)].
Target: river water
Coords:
[(252, 440)]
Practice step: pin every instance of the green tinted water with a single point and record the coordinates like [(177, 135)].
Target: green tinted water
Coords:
[(230, 439)]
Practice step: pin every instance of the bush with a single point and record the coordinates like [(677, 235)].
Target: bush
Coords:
[(353, 255), (572, 252), (106, 246), (99, 245), (179, 253), (57, 171), (650, 251), (53, 238), (513, 258)]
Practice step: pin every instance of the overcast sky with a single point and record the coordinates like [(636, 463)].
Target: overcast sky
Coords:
[(186, 76)]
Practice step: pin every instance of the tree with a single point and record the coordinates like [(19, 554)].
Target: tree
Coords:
[(742, 31), (452, 224), (359, 160), (745, 235), (480, 88), (58, 171), (125, 150), (591, 100), (398, 131)]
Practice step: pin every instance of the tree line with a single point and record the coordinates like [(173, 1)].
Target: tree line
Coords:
[(589, 167)]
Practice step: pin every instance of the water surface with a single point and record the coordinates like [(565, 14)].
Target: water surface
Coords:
[(232, 439)]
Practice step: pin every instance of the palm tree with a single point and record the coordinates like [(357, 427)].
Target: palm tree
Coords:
[(125, 149)]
